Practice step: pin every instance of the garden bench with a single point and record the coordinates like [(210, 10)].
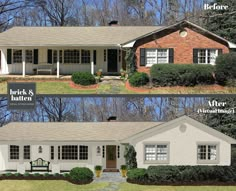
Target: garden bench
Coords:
[(39, 163), (44, 68)]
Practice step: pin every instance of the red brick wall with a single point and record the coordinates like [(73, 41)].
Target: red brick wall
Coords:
[(183, 46)]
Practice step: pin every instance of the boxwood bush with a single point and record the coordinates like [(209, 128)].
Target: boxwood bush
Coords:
[(182, 174), (138, 79), (83, 174), (138, 174), (83, 78), (226, 69), (182, 74)]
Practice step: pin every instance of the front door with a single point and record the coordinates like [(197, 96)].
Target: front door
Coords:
[(112, 60), (111, 156)]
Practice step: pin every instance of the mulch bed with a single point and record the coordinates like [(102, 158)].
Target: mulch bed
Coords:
[(41, 177), (194, 183), (80, 87), (137, 89)]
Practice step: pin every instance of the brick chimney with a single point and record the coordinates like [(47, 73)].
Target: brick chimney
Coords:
[(111, 118), (113, 23)]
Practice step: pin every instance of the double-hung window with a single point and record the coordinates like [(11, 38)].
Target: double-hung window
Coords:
[(83, 152), (54, 56), (29, 56), (14, 152), (155, 56), (27, 152), (17, 56), (69, 152), (85, 56), (72, 56), (207, 56), (207, 152), (156, 153)]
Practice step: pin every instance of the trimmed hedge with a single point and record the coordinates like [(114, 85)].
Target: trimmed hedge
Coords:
[(81, 174), (182, 174), (83, 78), (226, 69), (182, 74), (139, 79)]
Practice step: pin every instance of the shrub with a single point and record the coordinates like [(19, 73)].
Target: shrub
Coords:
[(123, 167), (46, 174), (138, 174), (226, 68), (8, 174), (130, 157), (36, 174), (81, 174), (182, 74), (66, 175), (56, 174), (139, 79), (26, 174), (17, 174), (83, 78), (98, 167)]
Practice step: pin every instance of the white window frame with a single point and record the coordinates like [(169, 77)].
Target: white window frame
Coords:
[(83, 153), (206, 55), (14, 159), (85, 56), (54, 57), (26, 56), (156, 56), (19, 58), (65, 153), (156, 161), (206, 160), (63, 60)]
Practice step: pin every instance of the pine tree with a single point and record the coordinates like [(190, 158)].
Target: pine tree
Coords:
[(222, 22)]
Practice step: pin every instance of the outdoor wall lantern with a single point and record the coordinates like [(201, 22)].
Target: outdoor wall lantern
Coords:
[(40, 149), (98, 150)]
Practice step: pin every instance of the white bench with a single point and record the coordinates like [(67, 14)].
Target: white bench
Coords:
[(44, 68)]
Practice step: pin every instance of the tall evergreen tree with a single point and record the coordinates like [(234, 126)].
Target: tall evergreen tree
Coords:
[(222, 22)]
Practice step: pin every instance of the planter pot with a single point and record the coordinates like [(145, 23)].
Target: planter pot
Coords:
[(99, 73), (98, 173), (123, 173)]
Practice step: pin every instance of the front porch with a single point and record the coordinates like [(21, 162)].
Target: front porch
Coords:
[(57, 61)]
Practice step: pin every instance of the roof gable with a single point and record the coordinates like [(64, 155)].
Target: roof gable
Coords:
[(172, 124)]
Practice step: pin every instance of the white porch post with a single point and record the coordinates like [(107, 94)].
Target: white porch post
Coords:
[(23, 63), (92, 63), (58, 63)]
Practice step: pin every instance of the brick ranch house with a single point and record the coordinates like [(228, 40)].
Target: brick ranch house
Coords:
[(64, 50), (182, 141)]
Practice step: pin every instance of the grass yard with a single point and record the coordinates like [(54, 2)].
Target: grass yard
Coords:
[(63, 87), (60, 185)]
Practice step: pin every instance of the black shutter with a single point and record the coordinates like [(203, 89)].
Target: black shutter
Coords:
[(171, 55), (195, 57), (9, 58), (95, 57), (142, 57), (49, 56), (36, 56), (220, 52)]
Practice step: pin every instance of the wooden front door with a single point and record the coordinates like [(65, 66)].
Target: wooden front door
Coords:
[(111, 156), (112, 60)]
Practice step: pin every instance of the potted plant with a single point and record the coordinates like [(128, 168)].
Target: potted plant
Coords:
[(123, 169), (98, 170), (122, 73), (99, 72)]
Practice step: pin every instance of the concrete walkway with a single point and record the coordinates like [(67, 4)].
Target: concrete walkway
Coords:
[(114, 179)]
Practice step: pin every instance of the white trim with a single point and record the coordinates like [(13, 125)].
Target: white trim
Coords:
[(23, 62), (58, 63), (129, 44)]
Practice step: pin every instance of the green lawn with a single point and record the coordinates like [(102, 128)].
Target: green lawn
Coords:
[(59, 185), (63, 87)]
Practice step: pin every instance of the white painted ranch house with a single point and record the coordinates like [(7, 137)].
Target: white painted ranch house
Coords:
[(182, 141)]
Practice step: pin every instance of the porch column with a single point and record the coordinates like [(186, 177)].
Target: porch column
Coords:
[(58, 63), (23, 63), (92, 62)]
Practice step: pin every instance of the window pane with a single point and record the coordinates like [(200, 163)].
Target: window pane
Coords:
[(211, 56), (211, 152), (85, 56), (29, 56), (27, 152), (151, 56), (83, 152), (70, 152), (201, 152), (161, 152), (202, 56), (150, 152), (14, 152), (17, 56), (71, 56), (162, 56)]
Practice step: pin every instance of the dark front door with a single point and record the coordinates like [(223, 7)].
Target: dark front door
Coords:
[(111, 156), (112, 60)]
